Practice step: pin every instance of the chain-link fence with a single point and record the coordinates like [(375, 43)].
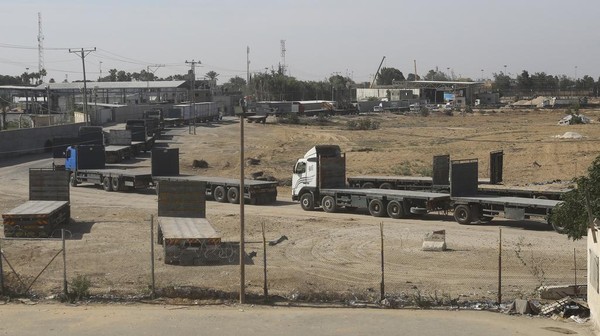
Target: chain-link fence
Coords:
[(337, 262)]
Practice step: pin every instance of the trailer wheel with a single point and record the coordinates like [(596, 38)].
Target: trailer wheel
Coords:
[(368, 185), (558, 228), (377, 208), (307, 202), (107, 183), (386, 186), (233, 195), (395, 209), (462, 214), (328, 204), (115, 182), (219, 194), (73, 180)]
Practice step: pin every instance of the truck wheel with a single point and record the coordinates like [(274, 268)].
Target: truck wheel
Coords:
[(368, 185), (558, 228), (376, 208), (219, 194), (107, 183), (73, 180), (462, 214), (386, 186), (115, 182), (233, 195), (395, 209), (307, 202), (328, 204)]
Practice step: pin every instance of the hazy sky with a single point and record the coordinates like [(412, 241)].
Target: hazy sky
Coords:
[(322, 37)]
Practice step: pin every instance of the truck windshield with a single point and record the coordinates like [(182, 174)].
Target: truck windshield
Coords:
[(300, 168)]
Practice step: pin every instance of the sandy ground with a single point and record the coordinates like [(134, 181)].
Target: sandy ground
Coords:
[(329, 254)]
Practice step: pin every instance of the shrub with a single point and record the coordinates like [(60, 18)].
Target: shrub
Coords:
[(80, 286), (362, 124)]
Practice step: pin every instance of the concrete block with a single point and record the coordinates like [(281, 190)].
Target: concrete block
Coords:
[(435, 241)]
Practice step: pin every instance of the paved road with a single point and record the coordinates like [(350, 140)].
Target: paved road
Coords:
[(57, 319)]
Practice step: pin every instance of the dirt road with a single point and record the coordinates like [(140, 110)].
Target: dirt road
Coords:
[(249, 320)]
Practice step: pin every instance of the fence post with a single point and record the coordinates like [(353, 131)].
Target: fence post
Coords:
[(575, 268), (382, 288), (1, 270), (153, 288), (500, 266), (265, 287), (64, 251)]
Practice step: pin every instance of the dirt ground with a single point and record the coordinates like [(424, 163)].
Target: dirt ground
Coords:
[(337, 254)]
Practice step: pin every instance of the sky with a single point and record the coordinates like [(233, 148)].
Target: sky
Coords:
[(464, 38)]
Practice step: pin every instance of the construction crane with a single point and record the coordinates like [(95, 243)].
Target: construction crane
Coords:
[(377, 73)]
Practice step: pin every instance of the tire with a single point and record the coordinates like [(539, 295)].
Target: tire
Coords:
[(73, 180), (107, 183), (377, 208), (328, 204), (395, 209), (233, 195), (558, 228), (368, 185), (462, 214), (219, 194), (307, 202), (386, 186), (116, 184)]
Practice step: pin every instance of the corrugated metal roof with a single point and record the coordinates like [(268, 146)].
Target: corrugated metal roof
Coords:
[(113, 85)]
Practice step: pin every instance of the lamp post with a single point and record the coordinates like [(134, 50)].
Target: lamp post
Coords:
[(482, 79)]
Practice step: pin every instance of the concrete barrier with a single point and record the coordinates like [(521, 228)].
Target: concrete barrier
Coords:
[(23, 141)]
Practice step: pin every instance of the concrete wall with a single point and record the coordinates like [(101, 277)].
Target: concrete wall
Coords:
[(593, 288), (33, 140)]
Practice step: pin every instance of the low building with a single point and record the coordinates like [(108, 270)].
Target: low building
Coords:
[(430, 91)]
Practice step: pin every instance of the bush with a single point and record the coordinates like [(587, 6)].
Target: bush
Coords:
[(289, 118), (424, 112), (80, 286), (362, 124)]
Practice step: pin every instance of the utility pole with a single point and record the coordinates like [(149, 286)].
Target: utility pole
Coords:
[(247, 69), (192, 97), (148, 80), (83, 53), (40, 47)]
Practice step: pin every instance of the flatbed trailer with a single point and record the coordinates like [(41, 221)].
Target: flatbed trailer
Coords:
[(48, 206), (471, 206), (173, 122), (187, 236), (380, 203), (114, 179), (223, 189)]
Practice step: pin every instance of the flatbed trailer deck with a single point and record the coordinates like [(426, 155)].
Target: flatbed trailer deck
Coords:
[(114, 179), (35, 218), (381, 202), (223, 189)]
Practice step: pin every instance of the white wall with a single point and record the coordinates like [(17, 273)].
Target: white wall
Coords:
[(593, 288)]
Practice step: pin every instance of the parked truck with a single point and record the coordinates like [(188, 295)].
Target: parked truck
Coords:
[(165, 167), (470, 205), (86, 164), (186, 235), (319, 180), (48, 206)]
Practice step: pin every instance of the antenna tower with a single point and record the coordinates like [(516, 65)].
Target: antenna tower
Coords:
[(40, 45), (283, 57)]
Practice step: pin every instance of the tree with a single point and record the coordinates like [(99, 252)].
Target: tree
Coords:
[(212, 75), (501, 82), (571, 217), (387, 76), (235, 84), (435, 75), (524, 82)]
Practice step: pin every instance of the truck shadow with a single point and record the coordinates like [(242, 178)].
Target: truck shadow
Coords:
[(74, 230)]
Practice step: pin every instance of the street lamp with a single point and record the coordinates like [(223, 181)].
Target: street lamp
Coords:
[(482, 79)]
